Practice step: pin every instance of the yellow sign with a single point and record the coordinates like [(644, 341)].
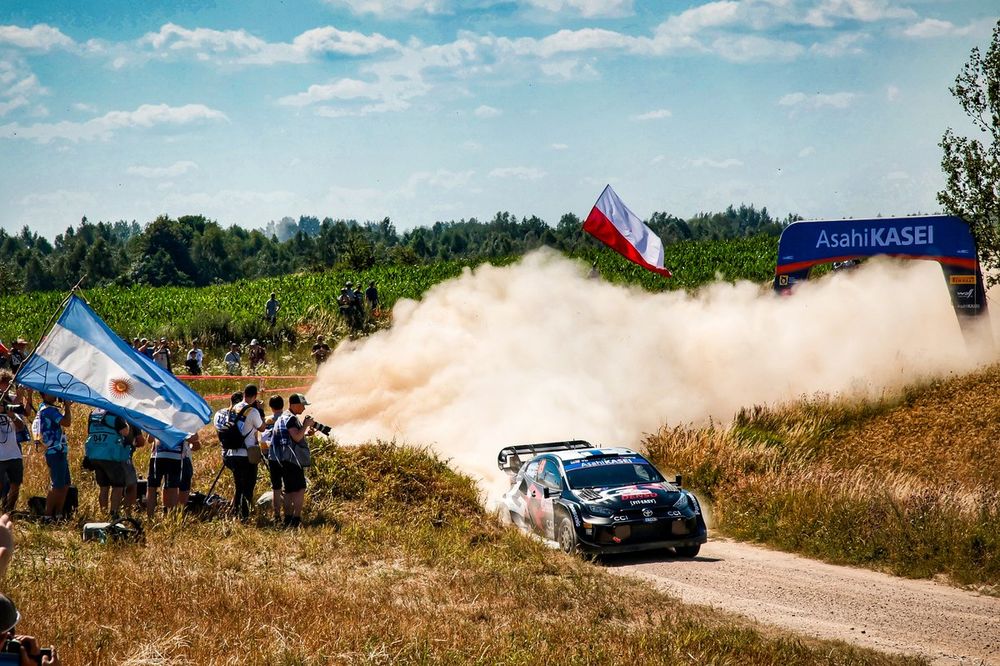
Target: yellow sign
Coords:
[(962, 279)]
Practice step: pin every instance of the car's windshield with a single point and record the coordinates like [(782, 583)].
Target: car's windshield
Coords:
[(611, 472)]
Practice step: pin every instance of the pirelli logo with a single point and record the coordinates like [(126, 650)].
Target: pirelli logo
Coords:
[(962, 279)]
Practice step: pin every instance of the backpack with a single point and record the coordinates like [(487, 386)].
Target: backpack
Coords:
[(230, 435)]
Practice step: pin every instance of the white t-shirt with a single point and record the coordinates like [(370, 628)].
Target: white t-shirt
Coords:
[(9, 450), (251, 422)]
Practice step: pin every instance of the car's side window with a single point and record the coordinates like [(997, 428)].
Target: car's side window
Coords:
[(531, 472), (550, 475)]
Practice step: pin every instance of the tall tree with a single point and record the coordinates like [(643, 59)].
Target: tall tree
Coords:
[(972, 166)]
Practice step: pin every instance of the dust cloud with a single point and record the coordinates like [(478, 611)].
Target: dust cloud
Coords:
[(538, 352)]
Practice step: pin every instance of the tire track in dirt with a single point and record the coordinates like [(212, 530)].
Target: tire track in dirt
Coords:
[(944, 624)]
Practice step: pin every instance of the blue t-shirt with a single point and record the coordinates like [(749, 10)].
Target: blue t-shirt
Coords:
[(50, 428)]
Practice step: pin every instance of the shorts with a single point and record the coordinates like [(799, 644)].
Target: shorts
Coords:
[(293, 477), (165, 470), (187, 474), (58, 469), (12, 471), (131, 477), (110, 472), (274, 470)]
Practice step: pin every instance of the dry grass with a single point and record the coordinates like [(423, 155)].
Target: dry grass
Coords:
[(415, 572), (909, 484)]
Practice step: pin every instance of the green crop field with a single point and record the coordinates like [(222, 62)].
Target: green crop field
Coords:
[(234, 311)]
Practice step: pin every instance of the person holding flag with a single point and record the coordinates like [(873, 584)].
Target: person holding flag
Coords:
[(51, 424)]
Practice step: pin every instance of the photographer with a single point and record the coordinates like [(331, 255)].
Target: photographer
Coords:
[(51, 424), (26, 647), (243, 461), (12, 430), (292, 449), (277, 405)]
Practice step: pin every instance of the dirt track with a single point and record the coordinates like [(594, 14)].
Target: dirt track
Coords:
[(942, 623)]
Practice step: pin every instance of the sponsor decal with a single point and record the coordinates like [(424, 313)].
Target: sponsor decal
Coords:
[(607, 461), (576, 516), (640, 494), (643, 501), (962, 279), (878, 237), (618, 519), (967, 293), (674, 514)]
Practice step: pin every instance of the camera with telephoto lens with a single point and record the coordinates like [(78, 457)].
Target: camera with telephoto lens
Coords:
[(12, 646), (321, 427)]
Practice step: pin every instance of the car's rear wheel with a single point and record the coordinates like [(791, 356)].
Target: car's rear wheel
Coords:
[(687, 551), (566, 536)]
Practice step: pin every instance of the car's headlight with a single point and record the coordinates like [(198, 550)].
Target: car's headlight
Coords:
[(597, 510)]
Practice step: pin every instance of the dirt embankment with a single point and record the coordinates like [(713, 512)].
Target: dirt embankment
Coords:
[(944, 624)]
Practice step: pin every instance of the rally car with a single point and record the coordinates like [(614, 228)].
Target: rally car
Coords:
[(599, 500)]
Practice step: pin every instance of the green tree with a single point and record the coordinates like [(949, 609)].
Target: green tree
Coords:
[(972, 166)]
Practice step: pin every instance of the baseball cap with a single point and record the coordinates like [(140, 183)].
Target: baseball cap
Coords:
[(297, 399), (8, 614)]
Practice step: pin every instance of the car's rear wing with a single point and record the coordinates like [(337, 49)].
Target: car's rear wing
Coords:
[(511, 458)]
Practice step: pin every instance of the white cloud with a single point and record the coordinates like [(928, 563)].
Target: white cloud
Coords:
[(827, 13), (657, 114), (799, 100), (394, 7), (86, 108), (751, 47), (586, 8), (39, 37), (727, 163), (172, 171), (892, 93), (60, 199), (841, 45), (11, 104), (146, 116), (558, 146), (807, 151), (657, 159), (519, 172), (441, 179), (931, 28), (485, 111), (242, 47), (569, 70)]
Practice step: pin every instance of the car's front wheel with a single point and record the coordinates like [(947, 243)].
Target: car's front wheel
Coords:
[(687, 551), (566, 536)]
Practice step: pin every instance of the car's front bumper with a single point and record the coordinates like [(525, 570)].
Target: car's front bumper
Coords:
[(632, 536)]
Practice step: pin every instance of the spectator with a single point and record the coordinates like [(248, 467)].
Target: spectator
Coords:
[(17, 354), (161, 355), (232, 359), (11, 461), (320, 351), (243, 462), (277, 405), (108, 455), (271, 309), (135, 344), (165, 468), (4, 356), (51, 424), (133, 440), (191, 444), (146, 348), (257, 354), (29, 652), (292, 449), (191, 362), (371, 295)]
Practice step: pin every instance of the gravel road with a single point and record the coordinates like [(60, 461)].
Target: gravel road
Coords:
[(946, 625)]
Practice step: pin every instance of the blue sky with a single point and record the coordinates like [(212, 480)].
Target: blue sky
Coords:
[(425, 110)]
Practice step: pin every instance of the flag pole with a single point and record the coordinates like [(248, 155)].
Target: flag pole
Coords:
[(52, 320)]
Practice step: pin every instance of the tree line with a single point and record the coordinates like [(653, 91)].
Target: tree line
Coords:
[(194, 251)]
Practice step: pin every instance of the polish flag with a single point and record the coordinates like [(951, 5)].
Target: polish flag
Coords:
[(612, 223)]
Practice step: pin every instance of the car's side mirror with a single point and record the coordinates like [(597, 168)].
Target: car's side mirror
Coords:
[(549, 492), (677, 480)]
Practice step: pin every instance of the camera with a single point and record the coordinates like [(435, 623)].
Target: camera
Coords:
[(12, 646), (321, 427), (12, 408)]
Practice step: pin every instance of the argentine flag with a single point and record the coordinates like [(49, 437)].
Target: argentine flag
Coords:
[(82, 360)]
